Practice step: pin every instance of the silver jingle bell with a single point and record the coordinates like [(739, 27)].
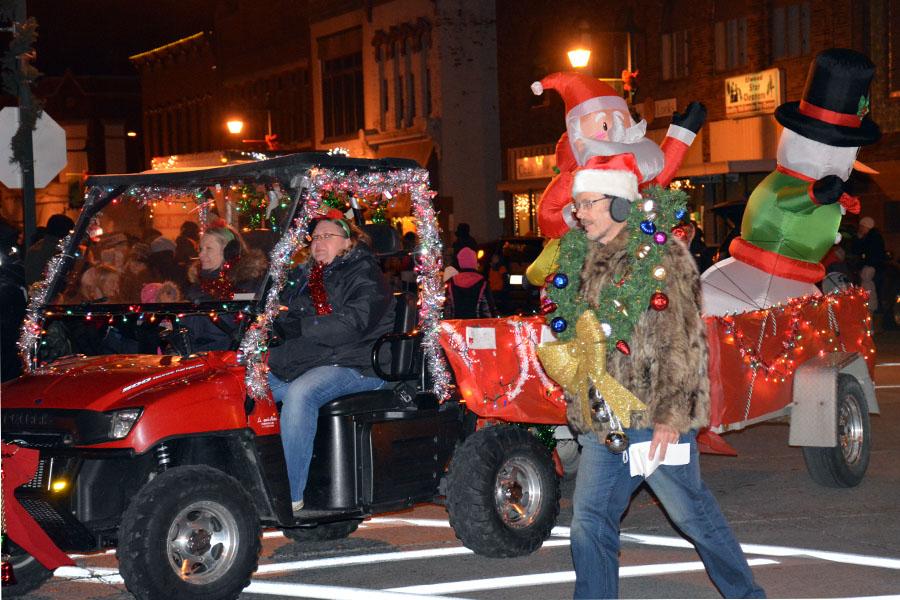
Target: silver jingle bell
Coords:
[(600, 411), (616, 442)]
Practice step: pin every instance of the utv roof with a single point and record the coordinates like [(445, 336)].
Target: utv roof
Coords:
[(282, 168)]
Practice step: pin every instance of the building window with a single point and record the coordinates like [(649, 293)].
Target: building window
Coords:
[(731, 44), (675, 54), (342, 83), (790, 30), (427, 108), (411, 90), (398, 102)]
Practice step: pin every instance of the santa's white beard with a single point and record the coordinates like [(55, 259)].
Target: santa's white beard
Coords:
[(814, 159), (731, 286), (649, 156)]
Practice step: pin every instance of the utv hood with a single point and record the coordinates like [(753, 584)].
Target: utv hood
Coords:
[(99, 383)]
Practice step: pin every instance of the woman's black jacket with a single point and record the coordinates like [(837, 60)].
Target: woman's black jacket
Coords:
[(362, 311)]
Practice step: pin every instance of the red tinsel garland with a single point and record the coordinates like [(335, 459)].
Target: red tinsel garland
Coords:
[(317, 290), (220, 288)]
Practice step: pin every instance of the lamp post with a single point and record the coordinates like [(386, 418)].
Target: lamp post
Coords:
[(580, 55), (235, 126)]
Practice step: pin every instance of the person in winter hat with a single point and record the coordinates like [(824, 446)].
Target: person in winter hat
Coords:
[(665, 371), (792, 217), (468, 294), (599, 123)]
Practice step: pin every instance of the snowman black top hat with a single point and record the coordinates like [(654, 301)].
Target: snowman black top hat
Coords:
[(835, 105)]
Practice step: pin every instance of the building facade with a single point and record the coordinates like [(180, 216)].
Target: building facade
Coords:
[(741, 58), (398, 78)]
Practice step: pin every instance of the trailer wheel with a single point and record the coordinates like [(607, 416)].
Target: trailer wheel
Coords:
[(190, 533), (502, 492), (322, 532), (844, 465), (30, 574)]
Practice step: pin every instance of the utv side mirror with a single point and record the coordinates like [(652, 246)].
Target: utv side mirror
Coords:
[(179, 339)]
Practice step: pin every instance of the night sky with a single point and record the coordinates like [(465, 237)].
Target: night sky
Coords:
[(96, 37)]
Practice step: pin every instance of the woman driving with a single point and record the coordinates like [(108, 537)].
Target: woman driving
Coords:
[(338, 306)]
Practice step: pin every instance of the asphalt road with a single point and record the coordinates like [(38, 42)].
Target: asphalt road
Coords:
[(803, 540)]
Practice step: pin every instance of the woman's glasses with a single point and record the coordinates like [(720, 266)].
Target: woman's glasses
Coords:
[(323, 237)]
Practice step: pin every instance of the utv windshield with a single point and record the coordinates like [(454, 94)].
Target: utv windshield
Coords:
[(156, 245)]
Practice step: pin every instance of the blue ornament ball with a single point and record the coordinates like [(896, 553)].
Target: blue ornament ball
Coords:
[(558, 325), (681, 214), (648, 227), (560, 280)]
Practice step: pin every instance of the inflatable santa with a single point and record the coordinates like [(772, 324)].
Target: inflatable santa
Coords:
[(792, 217), (598, 123)]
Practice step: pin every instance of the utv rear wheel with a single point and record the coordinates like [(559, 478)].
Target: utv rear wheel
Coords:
[(322, 532), (29, 573), (844, 465), (192, 532), (502, 492)]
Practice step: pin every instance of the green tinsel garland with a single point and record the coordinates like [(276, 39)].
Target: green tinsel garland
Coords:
[(621, 305)]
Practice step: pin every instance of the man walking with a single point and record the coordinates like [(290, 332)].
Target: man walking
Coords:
[(658, 353)]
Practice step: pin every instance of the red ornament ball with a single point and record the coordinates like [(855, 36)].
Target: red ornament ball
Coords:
[(623, 347), (659, 301)]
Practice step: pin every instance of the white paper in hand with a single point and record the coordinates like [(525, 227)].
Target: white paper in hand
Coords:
[(639, 457)]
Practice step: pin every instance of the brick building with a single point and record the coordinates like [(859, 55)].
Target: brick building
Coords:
[(696, 50), (403, 78)]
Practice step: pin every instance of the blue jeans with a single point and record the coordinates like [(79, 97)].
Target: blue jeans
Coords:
[(603, 491), (301, 400)]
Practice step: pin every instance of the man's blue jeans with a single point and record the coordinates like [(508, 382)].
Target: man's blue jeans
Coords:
[(301, 400), (602, 493)]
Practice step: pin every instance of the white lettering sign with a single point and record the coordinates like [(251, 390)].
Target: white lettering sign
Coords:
[(753, 93)]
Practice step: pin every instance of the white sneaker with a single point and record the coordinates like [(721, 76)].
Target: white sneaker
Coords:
[(297, 506)]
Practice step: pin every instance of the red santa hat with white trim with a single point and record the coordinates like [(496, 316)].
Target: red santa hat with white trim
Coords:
[(616, 175), (582, 93)]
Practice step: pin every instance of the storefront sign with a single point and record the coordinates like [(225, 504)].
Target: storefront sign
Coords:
[(753, 93), (535, 167), (664, 108)]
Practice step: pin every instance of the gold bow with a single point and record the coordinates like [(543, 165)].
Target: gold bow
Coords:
[(580, 363)]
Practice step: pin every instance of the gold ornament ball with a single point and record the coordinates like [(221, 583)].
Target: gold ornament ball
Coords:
[(659, 273)]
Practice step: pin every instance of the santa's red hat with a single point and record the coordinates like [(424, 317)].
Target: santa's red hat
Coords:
[(616, 175), (581, 93)]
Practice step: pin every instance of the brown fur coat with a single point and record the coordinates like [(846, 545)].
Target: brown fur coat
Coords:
[(667, 367)]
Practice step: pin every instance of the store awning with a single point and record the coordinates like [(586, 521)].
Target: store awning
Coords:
[(724, 167), (418, 150)]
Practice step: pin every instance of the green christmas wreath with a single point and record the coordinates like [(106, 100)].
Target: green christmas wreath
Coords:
[(622, 302)]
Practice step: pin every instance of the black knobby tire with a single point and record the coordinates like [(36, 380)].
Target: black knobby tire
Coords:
[(30, 574), (502, 492), (195, 516), (322, 532), (844, 465)]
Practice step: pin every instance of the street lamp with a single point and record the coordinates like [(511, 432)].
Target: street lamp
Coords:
[(579, 57), (235, 126)]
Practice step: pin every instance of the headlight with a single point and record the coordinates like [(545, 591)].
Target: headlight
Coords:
[(123, 421)]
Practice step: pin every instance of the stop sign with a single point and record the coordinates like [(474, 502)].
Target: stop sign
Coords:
[(49, 149)]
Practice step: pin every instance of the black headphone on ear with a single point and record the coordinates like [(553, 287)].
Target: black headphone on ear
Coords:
[(619, 209)]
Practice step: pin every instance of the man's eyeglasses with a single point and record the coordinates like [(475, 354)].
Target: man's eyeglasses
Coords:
[(322, 237), (586, 204)]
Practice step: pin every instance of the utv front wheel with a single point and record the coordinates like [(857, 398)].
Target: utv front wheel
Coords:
[(29, 573), (191, 533), (502, 492)]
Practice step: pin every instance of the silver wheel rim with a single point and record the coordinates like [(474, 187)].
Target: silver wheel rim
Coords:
[(517, 493), (203, 542), (850, 429)]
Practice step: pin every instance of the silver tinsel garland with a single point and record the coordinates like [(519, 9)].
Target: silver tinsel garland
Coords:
[(314, 188)]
